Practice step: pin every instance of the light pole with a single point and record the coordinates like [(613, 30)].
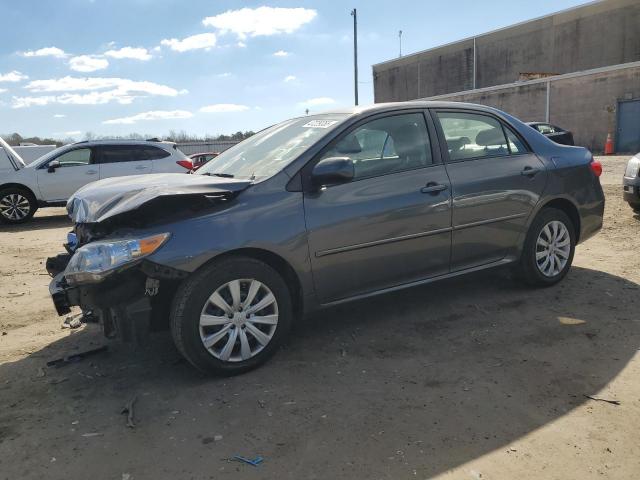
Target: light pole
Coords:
[(354, 14), (400, 39)]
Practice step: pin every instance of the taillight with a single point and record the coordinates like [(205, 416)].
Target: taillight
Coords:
[(596, 168), (185, 164)]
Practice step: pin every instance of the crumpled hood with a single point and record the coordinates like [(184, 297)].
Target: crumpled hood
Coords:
[(106, 198)]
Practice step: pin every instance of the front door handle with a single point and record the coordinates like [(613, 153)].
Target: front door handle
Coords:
[(91, 172), (433, 188), (529, 171), (141, 167)]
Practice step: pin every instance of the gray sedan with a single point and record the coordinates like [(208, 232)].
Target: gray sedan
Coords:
[(321, 210)]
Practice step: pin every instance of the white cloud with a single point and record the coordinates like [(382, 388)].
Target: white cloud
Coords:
[(13, 76), (88, 63), (46, 52), (153, 115), (59, 115), (100, 91), (241, 44), (281, 53), (134, 53), (2, 90), (318, 101), (290, 78), (224, 108), (194, 42), (225, 75), (259, 21)]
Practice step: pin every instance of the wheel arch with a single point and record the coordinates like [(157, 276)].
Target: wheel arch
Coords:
[(21, 186), (567, 206), (275, 261)]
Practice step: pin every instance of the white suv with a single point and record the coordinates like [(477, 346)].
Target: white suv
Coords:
[(54, 177)]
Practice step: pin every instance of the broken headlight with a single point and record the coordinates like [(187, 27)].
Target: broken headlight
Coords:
[(94, 261)]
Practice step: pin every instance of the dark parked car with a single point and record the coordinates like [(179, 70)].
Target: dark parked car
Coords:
[(321, 210), (557, 134)]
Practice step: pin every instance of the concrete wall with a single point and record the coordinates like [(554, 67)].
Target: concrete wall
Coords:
[(592, 36), (586, 105)]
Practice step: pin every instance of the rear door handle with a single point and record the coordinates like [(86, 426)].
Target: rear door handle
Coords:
[(141, 167), (91, 172), (432, 187), (529, 171)]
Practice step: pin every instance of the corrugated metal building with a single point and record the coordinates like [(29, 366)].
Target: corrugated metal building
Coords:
[(579, 68)]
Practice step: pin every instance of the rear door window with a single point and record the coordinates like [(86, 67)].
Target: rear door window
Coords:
[(122, 153), (471, 136)]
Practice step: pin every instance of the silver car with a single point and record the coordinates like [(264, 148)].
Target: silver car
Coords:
[(631, 183)]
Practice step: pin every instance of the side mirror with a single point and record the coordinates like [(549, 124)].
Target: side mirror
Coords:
[(332, 171), (53, 164)]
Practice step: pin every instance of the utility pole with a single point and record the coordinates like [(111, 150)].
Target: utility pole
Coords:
[(400, 38), (354, 14)]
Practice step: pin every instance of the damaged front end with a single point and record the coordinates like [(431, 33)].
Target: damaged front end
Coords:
[(108, 268)]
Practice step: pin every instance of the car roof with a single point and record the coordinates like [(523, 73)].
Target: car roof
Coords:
[(391, 106), (91, 143)]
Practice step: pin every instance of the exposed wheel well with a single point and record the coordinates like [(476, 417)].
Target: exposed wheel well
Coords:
[(20, 186), (570, 209), (280, 265)]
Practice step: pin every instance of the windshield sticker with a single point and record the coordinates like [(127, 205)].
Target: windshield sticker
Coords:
[(320, 124)]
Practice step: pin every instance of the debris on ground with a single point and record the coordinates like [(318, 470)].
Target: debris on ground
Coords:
[(612, 402), (73, 322), (55, 381), (41, 372), (128, 409), (76, 357), (255, 462), (92, 434)]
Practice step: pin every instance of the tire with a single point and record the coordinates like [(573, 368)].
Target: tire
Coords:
[(536, 272), (635, 207), (17, 205), (193, 299)]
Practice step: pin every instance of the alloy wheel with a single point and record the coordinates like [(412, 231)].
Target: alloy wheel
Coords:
[(14, 206), (238, 320), (553, 248)]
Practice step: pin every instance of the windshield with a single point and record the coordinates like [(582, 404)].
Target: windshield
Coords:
[(269, 151)]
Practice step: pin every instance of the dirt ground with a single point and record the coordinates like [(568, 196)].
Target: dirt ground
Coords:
[(470, 378)]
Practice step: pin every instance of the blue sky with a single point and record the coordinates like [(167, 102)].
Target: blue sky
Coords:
[(113, 67)]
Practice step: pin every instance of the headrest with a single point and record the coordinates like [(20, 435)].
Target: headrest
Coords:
[(490, 137), (349, 144), (407, 140)]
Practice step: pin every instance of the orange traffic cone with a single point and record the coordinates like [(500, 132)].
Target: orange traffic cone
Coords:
[(608, 146)]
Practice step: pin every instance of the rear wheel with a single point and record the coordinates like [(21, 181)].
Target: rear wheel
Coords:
[(232, 316), (16, 205), (548, 249)]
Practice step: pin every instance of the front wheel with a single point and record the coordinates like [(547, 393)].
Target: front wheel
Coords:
[(232, 316), (16, 205), (548, 249)]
